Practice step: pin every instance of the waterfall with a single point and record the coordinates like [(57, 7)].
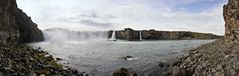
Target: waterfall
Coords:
[(93, 35), (140, 35), (64, 35), (113, 36)]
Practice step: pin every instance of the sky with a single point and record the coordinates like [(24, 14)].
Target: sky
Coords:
[(96, 15)]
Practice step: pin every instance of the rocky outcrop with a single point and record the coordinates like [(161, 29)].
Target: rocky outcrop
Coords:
[(17, 59), (15, 23), (219, 58), (28, 30), (21, 60), (231, 17), (134, 35), (213, 59), (127, 34)]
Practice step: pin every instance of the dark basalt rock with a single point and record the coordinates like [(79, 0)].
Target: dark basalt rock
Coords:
[(25, 61), (134, 35), (127, 57), (124, 72), (163, 65), (28, 30), (15, 23), (18, 59)]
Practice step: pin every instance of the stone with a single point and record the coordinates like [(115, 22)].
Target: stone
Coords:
[(124, 72), (175, 71), (127, 57), (121, 72), (231, 17), (219, 67), (219, 74), (232, 72), (59, 59), (161, 64)]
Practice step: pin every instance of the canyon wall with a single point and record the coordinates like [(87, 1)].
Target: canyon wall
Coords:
[(219, 58), (134, 35), (15, 24), (231, 17)]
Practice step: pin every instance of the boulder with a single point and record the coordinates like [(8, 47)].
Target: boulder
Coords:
[(124, 72)]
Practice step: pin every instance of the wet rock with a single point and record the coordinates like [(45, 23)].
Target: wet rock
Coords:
[(25, 61), (127, 57), (164, 65), (161, 64), (124, 72), (59, 59)]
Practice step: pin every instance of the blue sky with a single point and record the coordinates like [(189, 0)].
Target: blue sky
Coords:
[(90, 15), (200, 5)]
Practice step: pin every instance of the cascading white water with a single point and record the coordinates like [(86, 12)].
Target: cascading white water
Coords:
[(140, 35), (113, 36), (66, 35), (96, 35)]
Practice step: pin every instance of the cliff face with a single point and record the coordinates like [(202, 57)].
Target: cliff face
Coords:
[(133, 35), (7, 15), (127, 34), (217, 58), (231, 17), (28, 30), (16, 24)]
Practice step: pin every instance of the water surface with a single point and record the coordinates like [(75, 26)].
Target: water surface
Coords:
[(102, 57), (93, 53)]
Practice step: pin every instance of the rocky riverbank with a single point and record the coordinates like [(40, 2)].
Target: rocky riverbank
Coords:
[(219, 58), (21, 60), (213, 59)]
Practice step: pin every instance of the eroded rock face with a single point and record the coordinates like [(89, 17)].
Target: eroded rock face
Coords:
[(134, 35), (14, 22), (7, 15), (27, 28), (231, 17)]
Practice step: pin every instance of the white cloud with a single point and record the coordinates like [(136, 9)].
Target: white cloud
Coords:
[(136, 14)]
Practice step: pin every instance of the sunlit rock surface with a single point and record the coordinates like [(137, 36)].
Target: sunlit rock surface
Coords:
[(231, 17)]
